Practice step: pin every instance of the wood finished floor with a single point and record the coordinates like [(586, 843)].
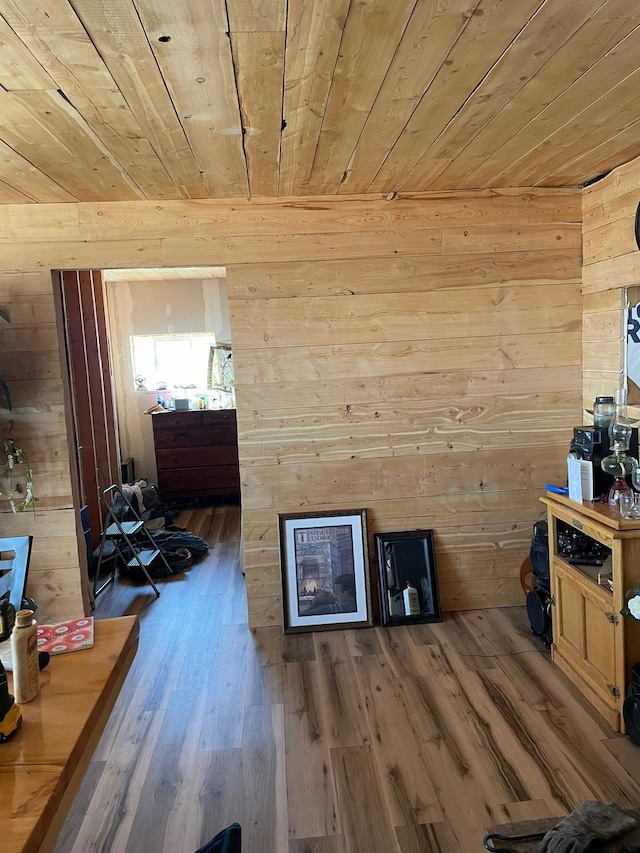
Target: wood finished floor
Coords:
[(396, 740)]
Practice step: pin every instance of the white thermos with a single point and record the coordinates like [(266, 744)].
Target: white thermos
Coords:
[(411, 601)]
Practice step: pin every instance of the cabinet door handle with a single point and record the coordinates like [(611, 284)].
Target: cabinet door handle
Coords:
[(612, 618), (615, 691)]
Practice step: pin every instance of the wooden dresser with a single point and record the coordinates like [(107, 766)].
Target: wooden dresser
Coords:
[(592, 643), (197, 454)]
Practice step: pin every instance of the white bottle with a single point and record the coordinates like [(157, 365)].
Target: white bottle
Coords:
[(411, 601), (24, 651)]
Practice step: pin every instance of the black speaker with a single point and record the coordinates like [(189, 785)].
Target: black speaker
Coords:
[(631, 706), (539, 554), (539, 599)]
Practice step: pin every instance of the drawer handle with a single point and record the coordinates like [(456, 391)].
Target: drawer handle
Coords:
[(577, 523), (612, 618)]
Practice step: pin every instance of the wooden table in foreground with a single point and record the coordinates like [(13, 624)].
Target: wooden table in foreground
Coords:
[(42, 765)]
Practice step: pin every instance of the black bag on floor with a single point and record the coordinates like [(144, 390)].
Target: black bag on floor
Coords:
[(227, 841), (170, 540)]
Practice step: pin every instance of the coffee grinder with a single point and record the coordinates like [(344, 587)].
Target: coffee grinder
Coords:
[(593, 444)]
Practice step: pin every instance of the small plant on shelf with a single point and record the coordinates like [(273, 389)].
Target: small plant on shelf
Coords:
[(16, 476)]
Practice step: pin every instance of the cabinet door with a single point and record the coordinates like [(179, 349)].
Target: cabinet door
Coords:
[(585, 632)]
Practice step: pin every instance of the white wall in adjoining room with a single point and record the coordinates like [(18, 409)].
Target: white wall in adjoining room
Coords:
[(155, 308)]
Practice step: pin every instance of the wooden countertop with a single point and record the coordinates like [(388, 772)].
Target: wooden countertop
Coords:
[(594, 510), (42, 765)]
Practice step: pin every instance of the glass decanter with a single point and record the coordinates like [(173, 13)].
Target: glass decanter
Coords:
[(619, 464)]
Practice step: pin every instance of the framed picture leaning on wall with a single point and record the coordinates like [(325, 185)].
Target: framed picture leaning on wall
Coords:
[(407, 579), (325, 570)]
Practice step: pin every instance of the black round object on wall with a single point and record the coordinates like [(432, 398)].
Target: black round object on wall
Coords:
[(637, 225)]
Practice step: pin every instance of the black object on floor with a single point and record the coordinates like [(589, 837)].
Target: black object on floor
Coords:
[(227, 841)]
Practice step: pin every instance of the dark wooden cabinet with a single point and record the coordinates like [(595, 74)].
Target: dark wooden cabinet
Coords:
[(197, 453)]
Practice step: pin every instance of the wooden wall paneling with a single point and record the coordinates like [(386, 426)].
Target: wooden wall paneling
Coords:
[(589, 165), (302, 247), (9, 195), (75, 254), (352, 480), (605, 115), (186, 40), (58, 41), (402, 427), (440, 384), (361, 319), (483, 40), (621, 271), (424, 476), (314, 33), (38, 220), (75, 158), (407, 273), (129, 57), (362, 365), (247, 16), (610, 242), (54, 577), (604, 196), (612, 262), (19, 69), (425, 43), (315, 215), (31, 364), (369, 42), (488, 238), (605, 214), (602, 31), (24, 177), (342, 362), (259, 60), (542, 37)]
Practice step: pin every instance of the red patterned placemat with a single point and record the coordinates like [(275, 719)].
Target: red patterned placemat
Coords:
[(67, 636)]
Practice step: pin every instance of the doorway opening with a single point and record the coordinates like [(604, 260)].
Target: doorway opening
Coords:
[(103, 312)]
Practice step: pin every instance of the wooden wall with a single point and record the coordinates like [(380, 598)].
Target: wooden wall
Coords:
[(418, 357), (611, 263), (31, 364)]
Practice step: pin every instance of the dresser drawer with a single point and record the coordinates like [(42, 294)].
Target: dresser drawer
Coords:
[(215, 480), (195, 436), (187, 457)]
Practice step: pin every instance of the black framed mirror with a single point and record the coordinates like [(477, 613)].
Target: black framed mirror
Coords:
[(406, 561)]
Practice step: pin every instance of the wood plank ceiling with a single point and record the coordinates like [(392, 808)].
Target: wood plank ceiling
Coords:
[(105, 100)]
